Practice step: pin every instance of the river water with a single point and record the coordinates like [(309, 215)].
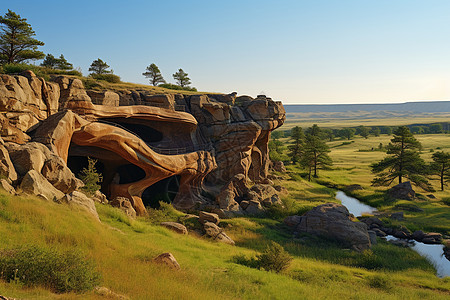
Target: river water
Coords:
[(433, 253)]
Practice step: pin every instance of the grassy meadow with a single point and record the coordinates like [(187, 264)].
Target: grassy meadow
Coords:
[(121, 249)]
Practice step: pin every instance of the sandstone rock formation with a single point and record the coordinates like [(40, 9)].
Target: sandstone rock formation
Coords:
[(195, 151), (333, 221)]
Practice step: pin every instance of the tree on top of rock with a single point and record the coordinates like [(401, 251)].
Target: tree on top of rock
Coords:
[(98, 66), (403, 161), (154, 75), (182, 78), (16, 40)]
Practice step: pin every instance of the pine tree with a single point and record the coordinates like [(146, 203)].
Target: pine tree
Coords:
[(90, 177), (403, 161), (295, 150), (16, 40), (441, 167), (63, 64), (98, 66), (315, 153), (49, 61), (182, 78), (154, 75)]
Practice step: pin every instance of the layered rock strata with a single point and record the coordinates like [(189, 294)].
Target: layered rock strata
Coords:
[(195, 151)]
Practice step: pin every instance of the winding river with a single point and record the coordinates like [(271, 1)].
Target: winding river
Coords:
[(433, 253)]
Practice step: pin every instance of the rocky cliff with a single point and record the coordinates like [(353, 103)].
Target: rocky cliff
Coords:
[(196, 151)]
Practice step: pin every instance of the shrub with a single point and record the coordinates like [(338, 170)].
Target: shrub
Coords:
[(172, 86), (90, 177), (19, 68), (379, 282), (446, 200), (106, 77), (274, 258), (58, 271)]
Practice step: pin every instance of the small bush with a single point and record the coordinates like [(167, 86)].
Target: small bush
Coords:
[(274, 258), (106, 77), (59, 271), (90, 177), (379, 282), (446, 200), (19, 68), (172, 86)]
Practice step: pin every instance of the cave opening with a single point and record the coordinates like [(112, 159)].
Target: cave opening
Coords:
[(130, 173), (146, 133), (77, 163), (161, 191)]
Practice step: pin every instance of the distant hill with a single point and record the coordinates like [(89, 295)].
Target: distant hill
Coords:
[(410, 107)]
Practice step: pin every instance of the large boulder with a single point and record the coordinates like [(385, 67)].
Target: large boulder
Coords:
[(82, 201), (217, 233), (58, 174), (333, 221), (125, 205), (167, 259), (6, 166), (402, 191), (30, 156), (177, 227), (36, 184)]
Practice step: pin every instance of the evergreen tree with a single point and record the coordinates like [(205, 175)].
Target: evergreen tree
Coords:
[(315, 152), (295, 150), (98, 66), (63, 64), (154, 75), (376, 131), (90, 177), (347, 133), (49, 61), (403, 161), (16, 40), (182, 78), (441, 167), (363, 131)]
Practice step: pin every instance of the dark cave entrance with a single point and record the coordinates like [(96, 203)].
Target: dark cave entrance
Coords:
[(130, 173), (161, 191), (146, 133), (77, 163)]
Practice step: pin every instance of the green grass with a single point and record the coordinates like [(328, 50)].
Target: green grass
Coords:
[(122, 250)]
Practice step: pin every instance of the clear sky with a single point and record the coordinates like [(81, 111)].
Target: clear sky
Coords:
[(305, 52)]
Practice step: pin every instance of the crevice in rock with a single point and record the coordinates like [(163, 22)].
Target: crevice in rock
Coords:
[(162, 191)]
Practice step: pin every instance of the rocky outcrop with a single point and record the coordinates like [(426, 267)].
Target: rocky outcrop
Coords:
[(125, 205), (332, 221), (403, 191), (177, 227), (35, 184), (167, 259), (82, 201), (180, 145)]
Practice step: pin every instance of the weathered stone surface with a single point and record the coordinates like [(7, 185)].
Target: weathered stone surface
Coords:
[(397, 216), (105, 292), (254, 208), (167, 259), (372, 237), (278, 166), (432, 238), (7, 187), (217, 233), (30, 156), (58, 174), (100, 197), (125, 205), (403, 191), (208, 217), (7, 169), (164, 101), (104, 98), (333, 221), (36, 184), (418, 235), (82, 201), (177, 227)]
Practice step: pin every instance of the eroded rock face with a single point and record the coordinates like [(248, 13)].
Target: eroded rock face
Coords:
[(182, 145), (333, 221)]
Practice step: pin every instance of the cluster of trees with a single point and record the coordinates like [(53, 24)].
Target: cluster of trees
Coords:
[(156, 79), (56, 63), (309, 150), (403, 161)]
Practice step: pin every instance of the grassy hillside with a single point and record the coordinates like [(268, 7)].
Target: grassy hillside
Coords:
[(122, 250)]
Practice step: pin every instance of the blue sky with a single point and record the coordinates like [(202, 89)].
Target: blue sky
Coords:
[(306, 52)]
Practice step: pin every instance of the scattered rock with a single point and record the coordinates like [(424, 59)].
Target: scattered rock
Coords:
[(400, 243), (105, 292), (217, 233), (100, 197), (403, 191), (36, 184), (432, 238), (333, 221), (418, 235), (208, 217), (279, 166), (167, 259), (372, 237), (254, 208), (353, 187), (398, 216), (81, 200), (125, 205), (177, 227)]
